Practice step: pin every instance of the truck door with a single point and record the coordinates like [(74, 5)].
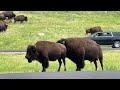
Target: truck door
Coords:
[(103, 38)]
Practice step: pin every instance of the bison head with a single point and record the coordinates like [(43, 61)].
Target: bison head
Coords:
[(87, 31), (26, 19), (31, 53)]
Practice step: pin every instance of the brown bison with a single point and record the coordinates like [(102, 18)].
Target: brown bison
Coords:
[(94, 29), (81, 49), (2, 17), (3, 26), (43, 51), (20, 18), (9, 14)]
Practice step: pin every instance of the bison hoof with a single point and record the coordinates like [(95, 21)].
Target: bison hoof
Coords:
[(43, 71)]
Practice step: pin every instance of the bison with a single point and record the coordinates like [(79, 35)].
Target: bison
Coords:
[(2, 17), (20, 18), (94, 29), (45, 51), (3, 26), (9, 14), (81, 49)]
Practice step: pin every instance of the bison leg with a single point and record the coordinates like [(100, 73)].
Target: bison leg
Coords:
[(21, 21), (101, 63), (14, 21), (45, 64), (64, 64), (80, 64), (43, 70), (63, 56), (78, 69), (60, 63), (95, 62)]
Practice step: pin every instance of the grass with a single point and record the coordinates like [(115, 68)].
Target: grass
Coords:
[(16, 63), (51, 26), (55, 25)]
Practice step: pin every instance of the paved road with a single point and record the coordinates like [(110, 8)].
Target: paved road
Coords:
[(23, 51), (64, 75)]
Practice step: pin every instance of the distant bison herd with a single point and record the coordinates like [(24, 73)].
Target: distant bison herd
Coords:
[(76, 49), (6, 18)]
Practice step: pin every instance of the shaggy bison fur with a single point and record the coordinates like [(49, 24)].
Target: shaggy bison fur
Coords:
[(2, 17), (9, 14), (20, 18), (3, 26), (43, 51), (81, 49), (94, 30)]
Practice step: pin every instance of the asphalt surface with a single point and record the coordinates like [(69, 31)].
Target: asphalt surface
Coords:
[(23, 51), (64, 75)]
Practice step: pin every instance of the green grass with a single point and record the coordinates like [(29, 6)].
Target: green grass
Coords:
[(55, 25), (16, 63)]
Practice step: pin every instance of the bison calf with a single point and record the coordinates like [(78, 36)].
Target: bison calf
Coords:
[(43, 51), (20, 18), (81, 49)]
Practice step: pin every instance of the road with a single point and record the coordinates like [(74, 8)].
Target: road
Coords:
[(64, 75), (23, 51)]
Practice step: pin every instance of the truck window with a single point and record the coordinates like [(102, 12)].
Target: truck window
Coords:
[(98, 34), (116, 33)]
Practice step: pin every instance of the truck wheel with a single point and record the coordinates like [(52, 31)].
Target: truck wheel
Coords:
[(116, 44)]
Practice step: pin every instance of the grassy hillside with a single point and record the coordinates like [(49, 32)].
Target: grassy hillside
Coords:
[(53, 25)]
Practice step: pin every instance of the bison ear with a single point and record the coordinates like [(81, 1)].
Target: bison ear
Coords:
[(91, 29), (32, 47)]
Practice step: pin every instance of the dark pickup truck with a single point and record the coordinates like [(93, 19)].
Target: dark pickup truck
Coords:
[(107, 38)]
